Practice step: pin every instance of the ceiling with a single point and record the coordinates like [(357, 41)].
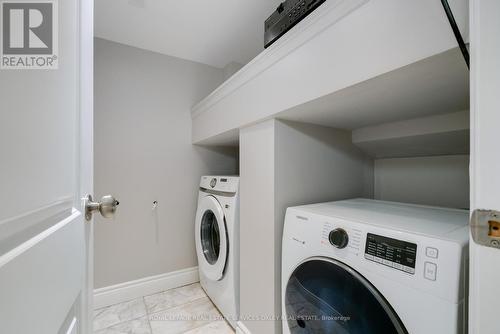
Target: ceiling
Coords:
[(213, 32)]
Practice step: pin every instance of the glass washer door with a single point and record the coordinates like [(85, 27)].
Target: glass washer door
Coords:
[(211, 238), (327, 296)]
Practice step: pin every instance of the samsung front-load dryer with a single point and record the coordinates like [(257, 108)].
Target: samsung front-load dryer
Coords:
[(367, 267), (217, 242)]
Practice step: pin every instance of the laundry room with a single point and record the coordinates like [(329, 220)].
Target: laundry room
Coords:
[(249, 167), (386, 143)]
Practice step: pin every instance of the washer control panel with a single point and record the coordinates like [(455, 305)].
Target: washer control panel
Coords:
[(228, 184), (397, 254)]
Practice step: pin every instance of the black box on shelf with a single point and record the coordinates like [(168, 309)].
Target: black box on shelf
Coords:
[(287, 15)]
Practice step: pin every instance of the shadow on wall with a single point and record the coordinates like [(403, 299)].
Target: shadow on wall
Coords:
[(206, 154)]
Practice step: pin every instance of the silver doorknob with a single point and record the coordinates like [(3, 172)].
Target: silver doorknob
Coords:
[(107, 206)]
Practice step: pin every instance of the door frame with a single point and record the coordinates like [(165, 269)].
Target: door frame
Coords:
[(85, 139), (484, 180)]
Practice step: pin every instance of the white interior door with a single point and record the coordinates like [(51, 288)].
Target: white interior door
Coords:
[(45, 169), (485, 160)]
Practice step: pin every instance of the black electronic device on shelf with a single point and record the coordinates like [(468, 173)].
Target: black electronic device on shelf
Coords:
[(287, 15)]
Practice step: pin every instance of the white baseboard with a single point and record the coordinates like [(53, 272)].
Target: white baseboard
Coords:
[(241, 328), (122, 292)]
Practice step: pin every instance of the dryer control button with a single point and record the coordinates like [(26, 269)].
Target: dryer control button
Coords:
[(338, 238), (430, 271), (431, 252)]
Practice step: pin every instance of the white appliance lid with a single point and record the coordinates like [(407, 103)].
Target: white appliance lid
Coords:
[(426, 220)]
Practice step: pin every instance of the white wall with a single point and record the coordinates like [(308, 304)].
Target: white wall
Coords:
[(143, 153), (438, 181), (285, 164)]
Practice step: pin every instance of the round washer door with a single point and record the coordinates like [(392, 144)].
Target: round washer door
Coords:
[(326, 296), (211, 238)]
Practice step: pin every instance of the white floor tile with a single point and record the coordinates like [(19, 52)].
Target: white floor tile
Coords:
[(137, 326), (172, 298), (216, 327), (183, 318), (115, 314), (185, 310)]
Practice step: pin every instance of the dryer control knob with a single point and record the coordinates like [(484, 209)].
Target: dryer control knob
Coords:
[(339, 238), (213, 182)]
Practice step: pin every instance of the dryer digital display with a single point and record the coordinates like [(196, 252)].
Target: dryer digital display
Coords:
[(393, 253)]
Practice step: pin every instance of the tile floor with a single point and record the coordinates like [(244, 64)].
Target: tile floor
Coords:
[(185, 310)]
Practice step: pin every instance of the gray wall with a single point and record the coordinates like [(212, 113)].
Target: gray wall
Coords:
[(143, 153), (439, 181), (285, 164)]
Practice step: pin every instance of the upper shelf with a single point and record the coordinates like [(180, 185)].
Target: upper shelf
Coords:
[(426, 136), (350, 64)]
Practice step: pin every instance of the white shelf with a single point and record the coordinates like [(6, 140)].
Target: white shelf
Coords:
[(351, 63), (427, 136)]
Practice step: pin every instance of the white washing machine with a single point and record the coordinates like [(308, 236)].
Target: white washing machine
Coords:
[(217, 242), (363, 266)]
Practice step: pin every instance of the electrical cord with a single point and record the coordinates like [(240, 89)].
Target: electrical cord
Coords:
[(456, 31)]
